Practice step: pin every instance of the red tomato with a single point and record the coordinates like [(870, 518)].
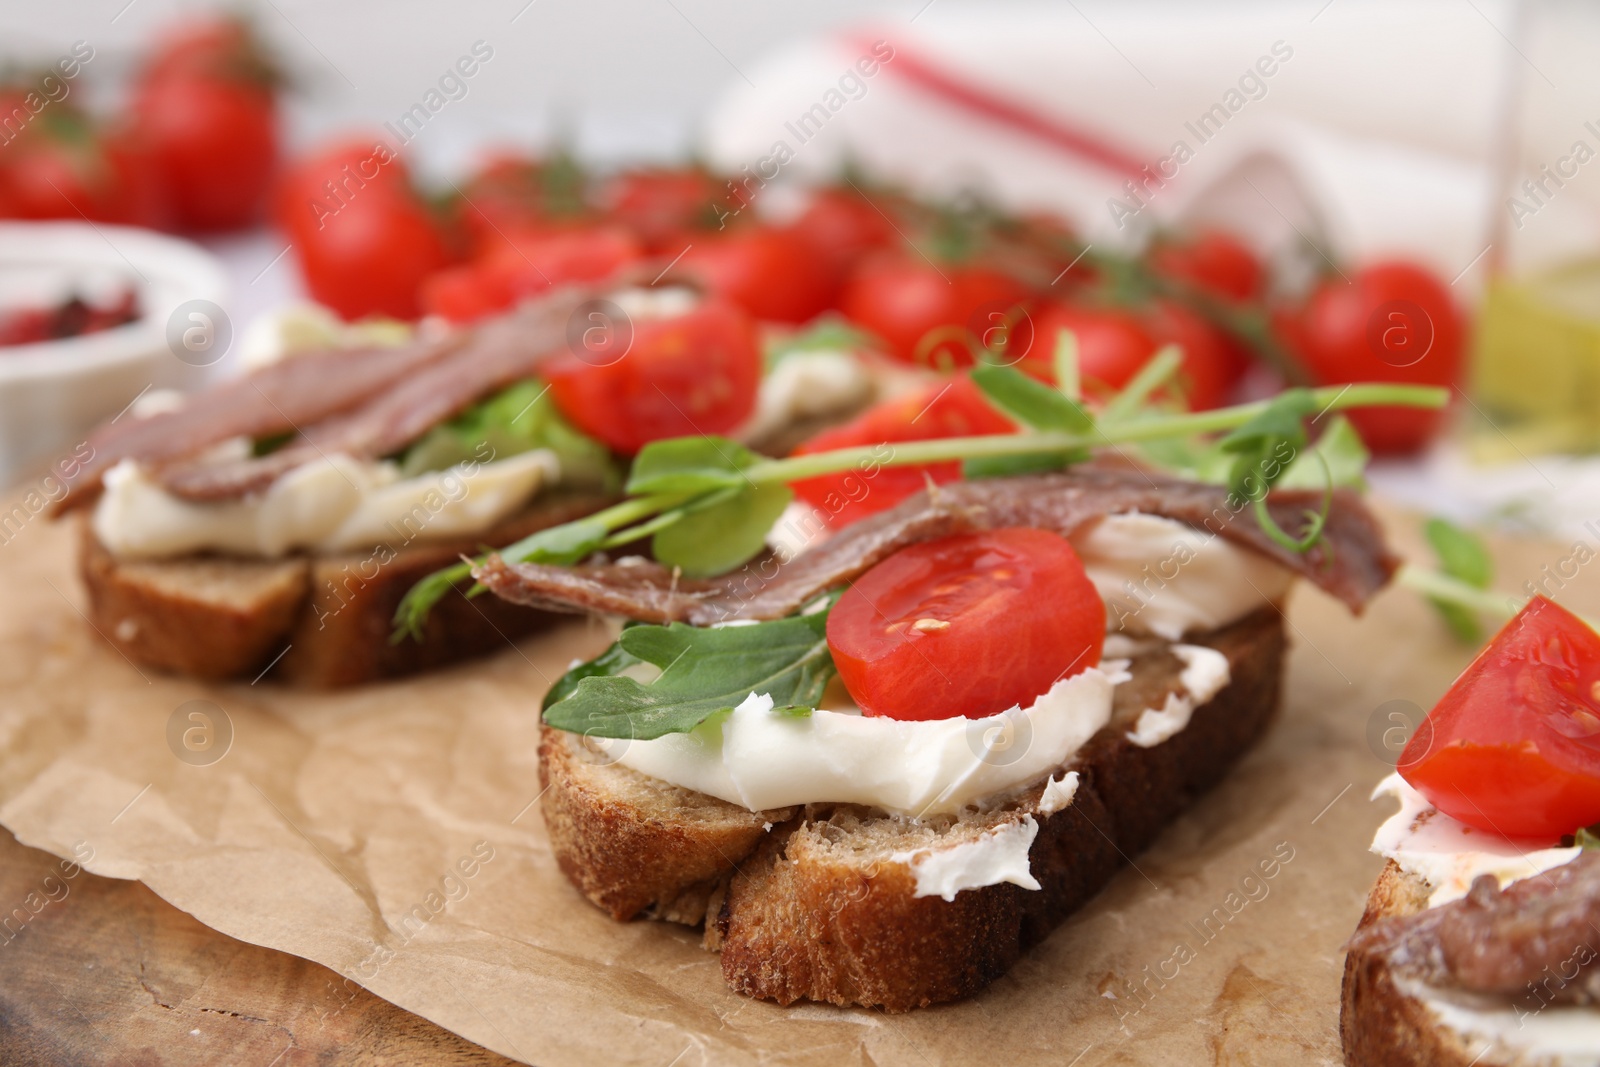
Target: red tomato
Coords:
[(1114, 344), (695, 373), (1213, 261), (463, 293), (949, 409), (1514, 747), (319, 184), (215, 146), (931, 314), (1212, 364), (969, 625), (365, 240), (770, 272), (522, 264), (663, 205), (841, 226), (204, 45), (371, 258), (64, 167), (1392, 322), (515, 193)]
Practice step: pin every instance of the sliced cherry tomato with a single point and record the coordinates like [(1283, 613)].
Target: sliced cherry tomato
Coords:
[(215, 146), (695, 373), (1212, 261), (968, 625), (946, 409), (769, 271), (1391, 322), (1114, 344), (1514, 747), (934, 315)]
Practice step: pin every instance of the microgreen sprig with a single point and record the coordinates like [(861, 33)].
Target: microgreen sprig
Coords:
[(732, 496)]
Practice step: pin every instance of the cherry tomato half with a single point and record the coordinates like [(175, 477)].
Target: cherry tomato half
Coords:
[(931, 315), (945, 409), (695, 373), (1391, 322), (968, 625), (1514, 747)]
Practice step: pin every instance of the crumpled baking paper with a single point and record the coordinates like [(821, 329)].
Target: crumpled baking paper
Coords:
[(393, 834)]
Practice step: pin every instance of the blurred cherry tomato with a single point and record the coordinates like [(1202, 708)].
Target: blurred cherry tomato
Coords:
[(1212, 261), (933, 315), (521, 264), (1514, 747), (215, 147), (944, 409), (63, 166), (1391, 322), (664, 205), (694, 373), (365, 240), (769, 271), (841, 226), (315, 187), (515, 192), (1115, 343)]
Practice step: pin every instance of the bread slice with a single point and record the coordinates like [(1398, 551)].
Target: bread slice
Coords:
[(813, 904), (1382, 1024), (317, 621)]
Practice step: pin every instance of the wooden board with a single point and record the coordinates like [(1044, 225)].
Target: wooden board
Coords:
[(100, 971)]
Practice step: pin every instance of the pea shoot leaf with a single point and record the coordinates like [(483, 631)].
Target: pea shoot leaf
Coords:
[(1340, 447), (1464, 557), (1031, 402), (689, 465), (716, 539), (703, 672)]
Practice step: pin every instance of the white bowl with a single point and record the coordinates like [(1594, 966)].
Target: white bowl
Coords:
[(52, 393)]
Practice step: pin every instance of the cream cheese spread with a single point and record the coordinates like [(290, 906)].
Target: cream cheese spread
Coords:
[(1448, 854), (760, 758), (329, 504), (1000, 855)]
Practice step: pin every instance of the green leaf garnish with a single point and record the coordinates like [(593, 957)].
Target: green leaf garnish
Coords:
[(717, 538), (517, 419), (1031, 402), (1464, 557), (674, 480), (690, 465), (703, 672), (612, 661), (1339, 455)]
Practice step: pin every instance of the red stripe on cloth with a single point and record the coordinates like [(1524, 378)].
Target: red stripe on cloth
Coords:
[(931, 77)]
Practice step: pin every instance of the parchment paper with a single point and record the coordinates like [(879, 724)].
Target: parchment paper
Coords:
[(391, 833)]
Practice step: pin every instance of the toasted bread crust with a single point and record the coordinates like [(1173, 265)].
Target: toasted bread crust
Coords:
[(1380, 1025), (802, 919), (328, 617)]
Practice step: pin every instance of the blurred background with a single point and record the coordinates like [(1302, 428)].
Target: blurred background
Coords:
[(1324, 136)]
